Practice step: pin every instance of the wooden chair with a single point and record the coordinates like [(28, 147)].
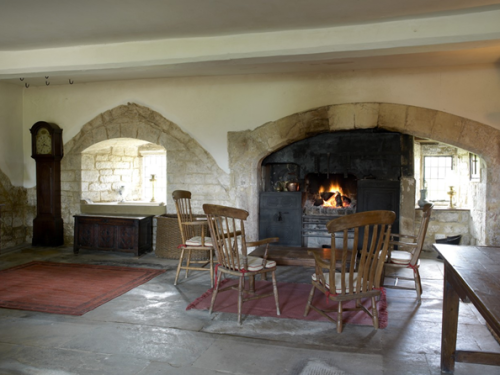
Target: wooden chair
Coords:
[(408, 254), (227, 230), (349, 278), (193, 237)]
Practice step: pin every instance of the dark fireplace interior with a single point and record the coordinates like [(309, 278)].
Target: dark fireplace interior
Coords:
[(312, 181)]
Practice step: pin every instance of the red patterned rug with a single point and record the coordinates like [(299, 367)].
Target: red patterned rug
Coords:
[(67, 288), (292, 300)]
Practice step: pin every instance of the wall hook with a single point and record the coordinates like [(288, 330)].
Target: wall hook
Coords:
[(26, 85), (22, 79), (46, 77), (71, 82), (47, 83)]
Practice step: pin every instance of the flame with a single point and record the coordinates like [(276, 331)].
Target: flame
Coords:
[(334, 188), (332, 202)]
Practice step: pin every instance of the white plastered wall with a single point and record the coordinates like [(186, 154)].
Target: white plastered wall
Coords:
[(208, 107)]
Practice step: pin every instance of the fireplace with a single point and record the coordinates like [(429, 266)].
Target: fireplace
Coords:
[(312, 181)]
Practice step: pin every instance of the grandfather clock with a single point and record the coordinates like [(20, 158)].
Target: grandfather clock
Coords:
[(47, 150)]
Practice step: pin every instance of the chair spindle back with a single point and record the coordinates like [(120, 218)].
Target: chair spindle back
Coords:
[(182, 199), (371, 236), (227, 230), (426, 217)]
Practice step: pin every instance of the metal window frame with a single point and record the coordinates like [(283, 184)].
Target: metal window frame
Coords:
[(425, 183)]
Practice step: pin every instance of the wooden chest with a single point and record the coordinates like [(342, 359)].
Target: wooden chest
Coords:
[(127, 233)]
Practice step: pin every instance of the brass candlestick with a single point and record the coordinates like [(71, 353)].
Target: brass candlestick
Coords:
[(451, 193), (153, 180)]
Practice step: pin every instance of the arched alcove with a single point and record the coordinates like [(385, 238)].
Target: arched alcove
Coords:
[(119, 169), (189, 166), (247, 149)]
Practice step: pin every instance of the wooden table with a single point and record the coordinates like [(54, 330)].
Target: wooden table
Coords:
[(470, 272), (291, 256)]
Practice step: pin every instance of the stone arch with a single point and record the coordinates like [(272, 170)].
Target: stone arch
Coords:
[(188, 164), (247, 149)]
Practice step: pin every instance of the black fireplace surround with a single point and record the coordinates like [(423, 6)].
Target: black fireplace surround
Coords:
[(371, 162)]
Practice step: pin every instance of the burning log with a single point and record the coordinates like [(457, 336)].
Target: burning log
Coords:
[(338, 199)]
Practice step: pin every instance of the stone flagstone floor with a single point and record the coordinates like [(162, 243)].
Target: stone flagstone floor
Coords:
[(148, 331)]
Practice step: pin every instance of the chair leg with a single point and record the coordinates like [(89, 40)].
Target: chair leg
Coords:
[(418, 284), (211, 268), (188, 260), (214, 294), (309, 300), (251, 284), (339, 318), (374, 313), (240, 297), (179, 266), (275, 290)]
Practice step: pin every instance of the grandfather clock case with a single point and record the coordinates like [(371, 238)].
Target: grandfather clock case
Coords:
[(47, 150)]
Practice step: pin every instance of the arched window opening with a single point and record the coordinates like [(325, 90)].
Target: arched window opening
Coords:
[(446, 175), (119, 170), (154, 173)]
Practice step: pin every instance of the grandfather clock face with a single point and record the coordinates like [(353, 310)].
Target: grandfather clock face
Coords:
[(43, 142)]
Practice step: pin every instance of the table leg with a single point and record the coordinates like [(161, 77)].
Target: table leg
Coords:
[(450, 325)]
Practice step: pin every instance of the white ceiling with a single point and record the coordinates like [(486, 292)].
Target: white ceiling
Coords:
[(98, 40)]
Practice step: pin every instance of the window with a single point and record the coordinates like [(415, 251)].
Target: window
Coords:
[(438, 177), (154, 163)]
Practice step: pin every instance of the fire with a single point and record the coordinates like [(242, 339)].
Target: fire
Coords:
[(338, 199), (334, 188)]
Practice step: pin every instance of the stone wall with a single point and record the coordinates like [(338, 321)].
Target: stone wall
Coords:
[(189, 166), (478, 190), (15, 214), (445, 223), (104, 171), (248, 148)]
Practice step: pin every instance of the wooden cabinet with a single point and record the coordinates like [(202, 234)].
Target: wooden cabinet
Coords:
[(281, 216), (380, 195), (129, 234)]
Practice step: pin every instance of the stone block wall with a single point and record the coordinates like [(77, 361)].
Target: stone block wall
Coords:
[(446, 223), (189, 166), (15, 214), (248, 148), (104, 171)]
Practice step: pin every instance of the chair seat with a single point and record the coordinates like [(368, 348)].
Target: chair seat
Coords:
[(338, 280), (255, 264), (196, 241), (400, 257)]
